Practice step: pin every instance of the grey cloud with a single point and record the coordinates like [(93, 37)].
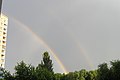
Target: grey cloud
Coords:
[(93, 23)]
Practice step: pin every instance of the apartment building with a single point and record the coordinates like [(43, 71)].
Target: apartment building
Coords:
[(3, 38)]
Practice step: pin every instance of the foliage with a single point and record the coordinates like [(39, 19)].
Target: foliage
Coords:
[(23, 71), (103, 72), (6, 75), (47, 62), (44, 71), (43, 74), (115, 70)]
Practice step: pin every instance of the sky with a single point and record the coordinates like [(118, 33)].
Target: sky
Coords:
[(82, 33)]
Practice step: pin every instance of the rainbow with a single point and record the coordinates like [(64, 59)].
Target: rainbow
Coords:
[(81, 49), (41, 42)]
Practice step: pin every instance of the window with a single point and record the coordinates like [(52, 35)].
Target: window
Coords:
[(3, 46), (5, 24), (2, 55), (3, 37), (4, 33), (2, 50), (4, 28), (4, 42)]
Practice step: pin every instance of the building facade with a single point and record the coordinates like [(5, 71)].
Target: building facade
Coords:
[(3, 38)]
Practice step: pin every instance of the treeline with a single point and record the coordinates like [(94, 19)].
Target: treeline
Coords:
[(44, 71)]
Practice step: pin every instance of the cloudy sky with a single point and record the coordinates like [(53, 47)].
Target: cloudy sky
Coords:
[(82, 33)]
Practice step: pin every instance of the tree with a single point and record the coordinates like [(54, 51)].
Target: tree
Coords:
[(63, 77), (72, 76), (47, 62), (103, 72), (44, 71), (6, 75), (58, 76), (24, 71), (91, 75), (43, 74), (115, 70), (82, 74)]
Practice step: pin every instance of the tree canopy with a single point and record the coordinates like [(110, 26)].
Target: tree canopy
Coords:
[(45, 71)]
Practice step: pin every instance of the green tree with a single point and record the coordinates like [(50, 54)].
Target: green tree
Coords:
[(24, 71), (43, 74), (58, 76), (91, 75), (47, 62), (82, 74), (6, 75), (72, 76), (44, 71), (63, 77), (115, 70), (103, 72)]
